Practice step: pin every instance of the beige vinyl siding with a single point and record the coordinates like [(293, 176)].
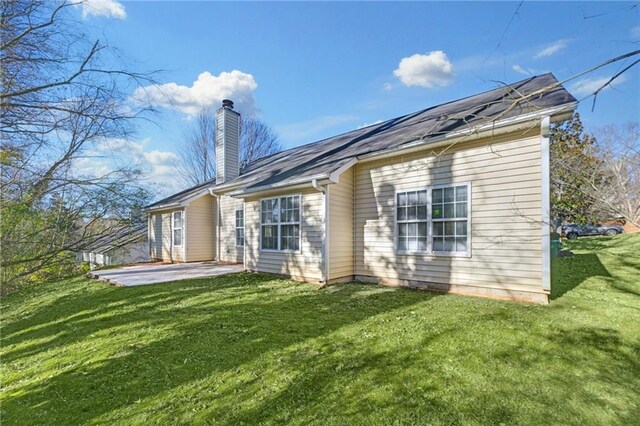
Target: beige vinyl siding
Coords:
[(160, 238), (200, 229), (305, 265), (505, 177), (228, 250), (340, 226)]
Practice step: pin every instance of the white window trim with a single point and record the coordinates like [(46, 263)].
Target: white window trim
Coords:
[(429, 252), (278, 250), (173, 228), (244, 237)]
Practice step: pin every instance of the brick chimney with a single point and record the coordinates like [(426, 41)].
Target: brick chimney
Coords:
[(227, 143)]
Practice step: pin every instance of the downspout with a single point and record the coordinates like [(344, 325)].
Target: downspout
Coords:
[(325, 233), (149, 224), (217, 197), (546, 204)]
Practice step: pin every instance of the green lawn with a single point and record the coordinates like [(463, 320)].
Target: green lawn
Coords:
[(254, 349)]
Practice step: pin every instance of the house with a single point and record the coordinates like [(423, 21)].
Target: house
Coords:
[(127, 245), (452, 198)]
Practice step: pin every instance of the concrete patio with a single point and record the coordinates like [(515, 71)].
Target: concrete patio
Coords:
[(128, 276)]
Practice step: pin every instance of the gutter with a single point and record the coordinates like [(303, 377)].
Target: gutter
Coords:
[(325, 229), (294, 184)]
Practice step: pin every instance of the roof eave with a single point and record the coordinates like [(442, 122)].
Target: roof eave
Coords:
[(294, 184), (557, 113)]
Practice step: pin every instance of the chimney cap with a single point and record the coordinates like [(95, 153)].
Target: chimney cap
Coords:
[(226, 103)]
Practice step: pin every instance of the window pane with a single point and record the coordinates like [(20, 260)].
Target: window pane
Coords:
[(412, 229), (422, 229), (448, 195), (402, 243), (437, 195), (461, 193), (402, 213), (402, 199), (422, 244), (438, 244), (402, 229), (177, 237), (290, 237), (461, 228), (413, 198), (240, 237), (275, 213), (177, 220), (438, 228), (422, 197), (461, 244), (449, 244), (448, 211), (413, 244), (422, 212), (270, 237), (449, 228), (461, 209), (412, 213), (436, 212)]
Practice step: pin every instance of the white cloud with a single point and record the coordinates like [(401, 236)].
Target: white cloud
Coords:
[(311, 130), (432, 69), (520, 70), (387, 86), (551, 49), (106, 8), (635, 31), (369, 124), (207, 90), (159, 167), (589, 85)]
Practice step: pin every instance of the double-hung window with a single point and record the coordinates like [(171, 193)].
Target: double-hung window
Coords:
[(412, 221), (450, 213), (280, 223), (240, 227), (177, 228), (434, 220)]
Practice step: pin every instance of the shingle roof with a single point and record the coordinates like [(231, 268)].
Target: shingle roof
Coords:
[(328, 155)]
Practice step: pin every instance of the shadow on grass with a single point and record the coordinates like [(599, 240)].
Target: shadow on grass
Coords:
[(569, 272), (212, 326)]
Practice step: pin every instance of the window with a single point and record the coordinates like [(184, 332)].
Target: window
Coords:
[(240, 227), (280, 223), (449, 210), (177, 228), (412, 220), (434, 220)]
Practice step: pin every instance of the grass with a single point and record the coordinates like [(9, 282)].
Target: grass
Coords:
[(246, 349)]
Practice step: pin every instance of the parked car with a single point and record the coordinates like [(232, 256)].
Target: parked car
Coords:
[(574, 231)]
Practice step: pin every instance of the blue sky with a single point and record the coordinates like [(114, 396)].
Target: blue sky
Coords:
[(313, 70)]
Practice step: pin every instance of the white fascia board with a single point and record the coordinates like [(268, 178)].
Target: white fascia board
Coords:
[(335, 175), (296, 183)]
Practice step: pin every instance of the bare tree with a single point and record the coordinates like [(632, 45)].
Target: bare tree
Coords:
[(197, 153), (62, 96), (616, 188), (257, 140)]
